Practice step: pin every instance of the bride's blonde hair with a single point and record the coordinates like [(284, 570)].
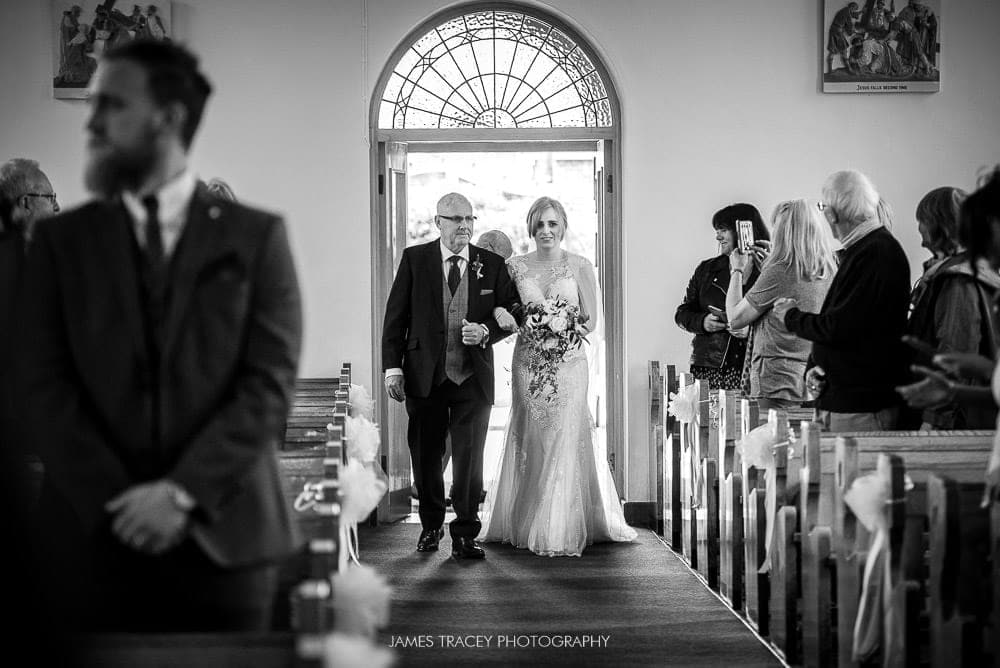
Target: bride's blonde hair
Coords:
[(802, 238), (540, 205)]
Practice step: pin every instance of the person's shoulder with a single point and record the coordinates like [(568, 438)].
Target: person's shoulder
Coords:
[(487, 255), (712, 264), (579, 262), (880, 243), (246, 215), (78, 220)]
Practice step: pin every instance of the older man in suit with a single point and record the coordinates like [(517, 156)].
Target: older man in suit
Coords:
[(161, 339), (437, 356)]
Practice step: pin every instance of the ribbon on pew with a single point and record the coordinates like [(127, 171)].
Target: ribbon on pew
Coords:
[(757, 451), (362, 480), (362, 490), (361, 402), (867, 498), (360, 601), (683, 404), (348, 651)]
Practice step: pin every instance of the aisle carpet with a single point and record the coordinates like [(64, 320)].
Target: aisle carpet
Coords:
[(618, 605)]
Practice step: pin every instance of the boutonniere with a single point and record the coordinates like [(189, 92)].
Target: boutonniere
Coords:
[(477, 266)]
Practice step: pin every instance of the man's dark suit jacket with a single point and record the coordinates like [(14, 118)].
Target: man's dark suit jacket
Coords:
[(11, 265), (413, 333), (226, 371)]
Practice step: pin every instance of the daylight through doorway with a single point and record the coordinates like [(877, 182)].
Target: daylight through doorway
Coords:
[(502, 187)]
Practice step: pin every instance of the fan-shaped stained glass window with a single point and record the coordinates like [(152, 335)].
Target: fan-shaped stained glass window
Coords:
[(495, 69)]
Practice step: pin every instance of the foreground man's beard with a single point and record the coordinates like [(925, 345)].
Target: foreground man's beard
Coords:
[(110, 170)]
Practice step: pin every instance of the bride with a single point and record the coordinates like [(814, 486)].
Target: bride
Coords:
[(554, 494)]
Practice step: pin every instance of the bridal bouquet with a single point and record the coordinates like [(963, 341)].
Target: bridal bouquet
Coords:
[(552, 328)]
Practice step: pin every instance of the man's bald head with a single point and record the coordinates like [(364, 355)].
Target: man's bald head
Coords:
[(496, 241), (451, 201)]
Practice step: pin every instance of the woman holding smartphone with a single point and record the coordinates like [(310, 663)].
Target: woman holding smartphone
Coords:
[(717, 351), (801, 266)]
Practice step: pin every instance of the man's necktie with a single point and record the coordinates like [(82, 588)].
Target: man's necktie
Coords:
[(154, 238), (454, 274)]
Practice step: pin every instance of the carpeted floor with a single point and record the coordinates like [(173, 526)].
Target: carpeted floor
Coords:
[(633, 604)]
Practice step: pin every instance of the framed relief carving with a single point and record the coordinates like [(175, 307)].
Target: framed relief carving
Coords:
[(881, 46), (83, 29)]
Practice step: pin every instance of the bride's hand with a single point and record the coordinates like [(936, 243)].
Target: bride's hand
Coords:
[(504, 319)]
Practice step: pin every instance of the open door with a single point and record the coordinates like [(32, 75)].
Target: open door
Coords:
[(609, 413), (390, 242)]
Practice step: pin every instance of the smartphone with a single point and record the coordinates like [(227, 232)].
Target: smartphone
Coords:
[(718, 313), (744, 235)]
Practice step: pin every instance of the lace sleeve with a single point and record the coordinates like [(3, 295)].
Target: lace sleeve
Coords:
[(515, 266), (590, 294)]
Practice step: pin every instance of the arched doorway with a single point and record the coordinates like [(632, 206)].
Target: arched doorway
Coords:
[(489, 81)]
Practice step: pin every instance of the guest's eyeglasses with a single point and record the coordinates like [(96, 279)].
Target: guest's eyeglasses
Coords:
[(48, 196), (459, 219)]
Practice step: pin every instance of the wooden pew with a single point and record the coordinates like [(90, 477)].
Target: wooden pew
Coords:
[(657, 438), (706, 494), (730, 501), (311, 410), (670, 482), (909, 512), (835, 545), (959, 547), (311, 599), (756, 585), (689, 477)]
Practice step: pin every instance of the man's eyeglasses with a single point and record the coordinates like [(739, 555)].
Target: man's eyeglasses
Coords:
[(459, 219), (48, 196)]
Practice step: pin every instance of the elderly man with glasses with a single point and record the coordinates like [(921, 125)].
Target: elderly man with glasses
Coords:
[(26, 196), (857, 357), (437, 355)]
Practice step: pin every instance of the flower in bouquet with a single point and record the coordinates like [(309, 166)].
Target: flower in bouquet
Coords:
[(552, 329)]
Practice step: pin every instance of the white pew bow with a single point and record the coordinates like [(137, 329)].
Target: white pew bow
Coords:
[(867, 498)]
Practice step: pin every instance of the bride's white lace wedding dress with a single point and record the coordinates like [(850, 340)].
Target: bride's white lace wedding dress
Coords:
[(554, 494)]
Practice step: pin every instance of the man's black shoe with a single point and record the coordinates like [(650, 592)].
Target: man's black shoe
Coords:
[(466, 548), (429, 539)]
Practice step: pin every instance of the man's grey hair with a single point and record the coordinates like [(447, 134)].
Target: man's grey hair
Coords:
[(17, 178), (852, 195)]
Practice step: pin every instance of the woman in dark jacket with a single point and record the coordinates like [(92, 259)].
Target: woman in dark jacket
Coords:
[(952, 303), (718, 354)]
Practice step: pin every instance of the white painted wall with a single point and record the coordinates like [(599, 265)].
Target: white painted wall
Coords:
[(721, 103)]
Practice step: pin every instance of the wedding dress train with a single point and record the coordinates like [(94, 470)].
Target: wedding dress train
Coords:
[(555, 493)]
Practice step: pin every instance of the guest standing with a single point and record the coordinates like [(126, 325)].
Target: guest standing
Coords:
[(858, 357), (717, 353), (162, 332), (952, 303), (801, 266)]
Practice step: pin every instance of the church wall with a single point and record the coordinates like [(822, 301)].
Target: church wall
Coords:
[(721, 102)]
